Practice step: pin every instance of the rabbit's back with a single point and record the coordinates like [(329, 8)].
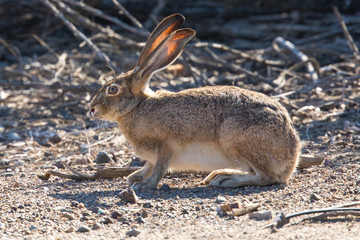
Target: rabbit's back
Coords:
[(199, 113)]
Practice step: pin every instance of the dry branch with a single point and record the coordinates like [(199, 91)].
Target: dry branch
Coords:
[(127, 14), (341, 210), (76, 32), (279, 41), (349, 39), (111, 172), (101, 14)]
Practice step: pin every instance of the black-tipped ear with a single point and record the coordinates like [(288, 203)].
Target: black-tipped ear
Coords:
[(162, 31)]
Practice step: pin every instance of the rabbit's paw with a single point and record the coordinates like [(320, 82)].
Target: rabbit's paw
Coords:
[(143, 185), (223, 180)]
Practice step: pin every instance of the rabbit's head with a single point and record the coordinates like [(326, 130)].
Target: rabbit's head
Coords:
[(125, 91)]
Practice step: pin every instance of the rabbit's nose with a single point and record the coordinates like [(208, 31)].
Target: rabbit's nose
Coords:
[(92, 110)]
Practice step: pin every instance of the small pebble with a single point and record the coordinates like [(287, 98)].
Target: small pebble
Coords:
[(95, 226), (69, 216), (315, 197), (144, 213), (13, 136), (185, 211), (165, 188), (70, 230), (32, 228), (220, 199), (103, 157), (115, 215), (133, 232), (83, 229), (128, 196), (140, 220), (122, 220), (148, 205), (260, 216), (107, 221), (102, 211)]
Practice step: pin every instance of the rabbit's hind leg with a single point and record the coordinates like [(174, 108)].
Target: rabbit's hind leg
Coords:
[(230, 178), (140, 174)]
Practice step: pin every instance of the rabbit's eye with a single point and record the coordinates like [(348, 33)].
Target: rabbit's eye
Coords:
[(112, 90)]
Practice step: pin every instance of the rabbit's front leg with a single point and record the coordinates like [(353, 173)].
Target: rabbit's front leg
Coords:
[(159, 170)]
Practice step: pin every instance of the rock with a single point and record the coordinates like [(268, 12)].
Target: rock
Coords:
[(148, 205), (59, 164), (144, 213), (83, 229), (315, 197), (115, 215), (107, 220), (260, 216), (102, 158), (165, 188), (8, 174), (13, 136), (69, 216), (133, 232), (185, 211), (95, 226), (128, 196), (123, 220), (220, 199), (74, 204), (70, 230), (95, 209), (33, 228), (140, 220), (102, 211), (45, 138)]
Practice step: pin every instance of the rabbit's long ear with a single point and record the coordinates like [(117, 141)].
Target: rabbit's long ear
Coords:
[(162, 56), (162, 31)]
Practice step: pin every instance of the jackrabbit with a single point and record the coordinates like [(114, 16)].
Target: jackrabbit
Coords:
[(243, 137)]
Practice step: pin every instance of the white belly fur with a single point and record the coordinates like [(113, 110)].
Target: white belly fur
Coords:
[(199, 157)]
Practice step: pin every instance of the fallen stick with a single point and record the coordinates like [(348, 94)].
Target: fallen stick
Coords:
[(308, 160), (282, 219), (101, 173), (281, 42)]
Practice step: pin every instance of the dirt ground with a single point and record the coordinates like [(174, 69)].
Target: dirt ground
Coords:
[(44, 98)]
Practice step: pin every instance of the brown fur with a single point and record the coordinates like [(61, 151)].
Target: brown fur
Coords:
[(230, 127)]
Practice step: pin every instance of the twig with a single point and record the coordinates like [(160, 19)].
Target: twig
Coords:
[(45, 45), (14, 51), (76, 32), (349, 39), (331, 214), (154, 13), (55, 86), (238, 53), (127, 14), (279, 41), (283, 219), (320, 36), (101, 14)]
